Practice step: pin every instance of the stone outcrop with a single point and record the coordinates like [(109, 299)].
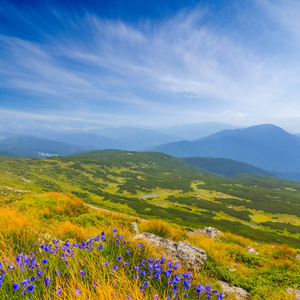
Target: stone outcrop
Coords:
[(189, 256), (238, 292), (210, 231), (251, 250), (294, 292), (298, 257)]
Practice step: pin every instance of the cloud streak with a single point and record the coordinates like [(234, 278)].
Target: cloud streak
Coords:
[(180, 65)]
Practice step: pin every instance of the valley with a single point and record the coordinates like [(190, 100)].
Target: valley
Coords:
[(259, 207)]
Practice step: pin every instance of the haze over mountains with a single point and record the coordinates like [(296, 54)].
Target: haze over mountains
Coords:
[(128, 138), (266, 146)]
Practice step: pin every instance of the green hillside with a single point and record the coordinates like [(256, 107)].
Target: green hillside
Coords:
[(156, 185), (225, 167)]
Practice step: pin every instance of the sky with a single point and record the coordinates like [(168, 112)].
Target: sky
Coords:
[(151, 63)]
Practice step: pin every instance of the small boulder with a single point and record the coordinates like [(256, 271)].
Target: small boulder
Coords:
[(294, 292), (238, 292), (189, 256), (210, 231), (251, 250), (168, 246), (298, 257)]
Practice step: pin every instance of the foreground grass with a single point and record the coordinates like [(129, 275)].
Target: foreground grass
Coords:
[(81, 256)]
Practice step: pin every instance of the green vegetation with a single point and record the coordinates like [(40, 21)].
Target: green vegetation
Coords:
[(224, 166), (182, 194), (68, 250)]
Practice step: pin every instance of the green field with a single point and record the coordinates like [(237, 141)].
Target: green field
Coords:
[(156, 185)]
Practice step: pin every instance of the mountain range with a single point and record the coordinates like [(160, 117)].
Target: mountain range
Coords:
[(18, 141), (30, 146), (265, 146)]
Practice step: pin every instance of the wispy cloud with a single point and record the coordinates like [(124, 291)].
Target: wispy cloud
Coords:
[(181, 64)]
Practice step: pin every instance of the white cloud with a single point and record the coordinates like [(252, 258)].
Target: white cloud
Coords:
[(177, 65)]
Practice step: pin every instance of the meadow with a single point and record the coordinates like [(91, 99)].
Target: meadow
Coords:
[(55, 247), (261, 208)]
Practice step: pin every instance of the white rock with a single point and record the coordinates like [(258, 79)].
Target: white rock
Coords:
[(238, 292), (210, 231), (189, 256), (251, 250), (294, 292)]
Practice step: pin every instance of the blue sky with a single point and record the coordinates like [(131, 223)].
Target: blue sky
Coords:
[(151, 63)]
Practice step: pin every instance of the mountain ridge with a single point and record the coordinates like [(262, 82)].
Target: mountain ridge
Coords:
[(265, 146)]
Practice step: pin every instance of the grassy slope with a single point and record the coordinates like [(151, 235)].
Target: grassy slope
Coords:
[(66, 217), (225, 167), (115, 180)]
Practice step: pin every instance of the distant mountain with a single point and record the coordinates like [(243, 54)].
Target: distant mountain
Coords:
[(225, 167), (194, 131), (265, 146), (35, 147), (87, 141), (133, 138), (5, 134)]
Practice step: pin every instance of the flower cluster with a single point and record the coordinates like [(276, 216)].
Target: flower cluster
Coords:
[(50, 260)]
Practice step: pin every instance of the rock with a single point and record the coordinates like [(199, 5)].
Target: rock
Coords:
[(298, 257), (251, 250), (189, 256), (210, 231), (238, 292), (294, 292)]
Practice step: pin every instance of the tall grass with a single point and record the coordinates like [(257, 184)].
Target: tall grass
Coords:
[(64, 217)]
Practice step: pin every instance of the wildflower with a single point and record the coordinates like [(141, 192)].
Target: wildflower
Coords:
[(47, 281), (16, 286), (30, 288), (58, 291), (57, 272), (200, 289), (100, 247), (82, 272), (105, 264), (115, 268), (186, 283), (127, 251), (208, 290), (77, 292), (114, 230), (140, 245), (142, 263), (44, 261)]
